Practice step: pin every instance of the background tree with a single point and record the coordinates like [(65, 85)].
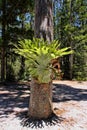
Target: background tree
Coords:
[(69, 16), (3, 46), (13, 31)]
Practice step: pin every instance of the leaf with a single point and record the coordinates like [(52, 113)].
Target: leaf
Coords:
[(39, 55)]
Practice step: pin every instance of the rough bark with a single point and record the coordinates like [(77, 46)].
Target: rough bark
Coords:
[(44, 19), (22, 67), (3, 63), (41, 94), (40, 100), (3, 47), (71, 42)]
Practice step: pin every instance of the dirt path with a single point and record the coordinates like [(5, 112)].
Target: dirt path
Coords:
[(69, 102)]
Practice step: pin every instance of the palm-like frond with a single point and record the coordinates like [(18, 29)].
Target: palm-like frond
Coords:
[(39, 55)]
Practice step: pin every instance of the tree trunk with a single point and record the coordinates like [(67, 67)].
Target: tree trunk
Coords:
[(22, 68), (71, 41), (3, 63), (40, 100), (3, 47), (44, 19), (41, 94)]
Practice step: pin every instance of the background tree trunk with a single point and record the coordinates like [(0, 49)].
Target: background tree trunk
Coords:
[(22, 67), (41, 94), (3, 47), (71, 42)]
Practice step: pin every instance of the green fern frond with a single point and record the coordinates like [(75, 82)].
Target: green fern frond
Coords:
[(39, 55)]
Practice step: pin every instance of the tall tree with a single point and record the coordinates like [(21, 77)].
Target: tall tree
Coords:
[(44, 19), (71, 41), (41, 93), (3, 47)]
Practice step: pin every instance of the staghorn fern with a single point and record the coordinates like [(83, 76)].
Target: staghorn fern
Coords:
[(39, 55)]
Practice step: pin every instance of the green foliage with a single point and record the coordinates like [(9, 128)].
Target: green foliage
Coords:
[(80, 61), (70, 27), (39, 55)]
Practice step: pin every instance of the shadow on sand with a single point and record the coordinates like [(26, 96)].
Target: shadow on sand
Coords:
[(62, 93), (17, 96), (40, 123), (13, 97)]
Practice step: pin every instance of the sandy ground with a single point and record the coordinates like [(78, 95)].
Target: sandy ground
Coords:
[(69, 103)]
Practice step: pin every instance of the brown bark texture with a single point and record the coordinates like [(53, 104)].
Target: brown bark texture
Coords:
[(3, 63), (3, 46), (40, 100), (44, 19), (41, 93)]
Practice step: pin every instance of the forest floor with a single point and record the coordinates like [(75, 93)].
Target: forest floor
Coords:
[(69, 103)]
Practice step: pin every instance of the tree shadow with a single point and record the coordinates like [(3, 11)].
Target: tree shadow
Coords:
[(16, 96), (13, 98), (62, 93), (27, 121)]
